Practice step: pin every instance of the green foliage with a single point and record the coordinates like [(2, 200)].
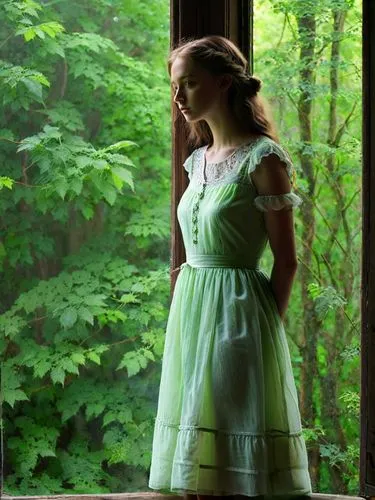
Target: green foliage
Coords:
[(6, 182), (325, 298), (314, 88), (68, 167), (78, 307), (83, 255), (34, 441), (15, 80), (351, 402), (40, 30)]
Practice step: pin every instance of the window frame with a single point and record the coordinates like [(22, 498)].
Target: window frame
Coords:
[(367, 395)]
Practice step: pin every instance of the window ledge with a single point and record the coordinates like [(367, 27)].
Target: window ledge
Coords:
[(149, 496)]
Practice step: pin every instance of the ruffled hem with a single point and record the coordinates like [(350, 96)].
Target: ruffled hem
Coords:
[(214, 462), (277, 201)]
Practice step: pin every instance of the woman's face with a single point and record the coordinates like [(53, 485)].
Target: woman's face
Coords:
[(194, 88)]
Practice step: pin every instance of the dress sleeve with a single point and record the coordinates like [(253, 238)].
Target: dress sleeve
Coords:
[(188, 165), (264, 203)]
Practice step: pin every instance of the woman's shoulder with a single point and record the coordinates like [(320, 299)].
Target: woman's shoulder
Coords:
[(266, 146), (262, 140)]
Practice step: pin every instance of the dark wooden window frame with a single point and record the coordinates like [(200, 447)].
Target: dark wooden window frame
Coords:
[(367, 445)]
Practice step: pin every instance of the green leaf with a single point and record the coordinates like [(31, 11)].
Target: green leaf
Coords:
[(41, 368), (100, 164), (94, 357), (118, 183), (12, 396), (26, 21), (95, 300), (124, 175), (28, 34), (58, 375), (109, 193), (69, 366), (29, 143), (40, 33), (86, 315), (87, 211), (76, 185), (128, 298), (78, 358), (132, 366), (69, 317), (51, 132), (61, 187), (6, 182), (94, 409), (133, 361), (149, 354), (83, 161), (109, 417), (34, 87), (120, 145)]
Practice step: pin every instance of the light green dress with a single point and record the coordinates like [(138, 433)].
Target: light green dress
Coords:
[(228, 419)]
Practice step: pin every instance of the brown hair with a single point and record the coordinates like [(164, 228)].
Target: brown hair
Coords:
[(220, 55)]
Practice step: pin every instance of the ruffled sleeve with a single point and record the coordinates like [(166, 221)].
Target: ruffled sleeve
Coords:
[(264, 203), (277, 201), (188, 165)]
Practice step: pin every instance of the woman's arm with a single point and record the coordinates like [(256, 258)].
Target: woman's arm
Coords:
[(271, 178)]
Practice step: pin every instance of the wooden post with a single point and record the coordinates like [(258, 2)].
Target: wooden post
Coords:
[(367, 443)]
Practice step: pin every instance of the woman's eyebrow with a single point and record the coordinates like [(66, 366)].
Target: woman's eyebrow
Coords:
[(184, 76)]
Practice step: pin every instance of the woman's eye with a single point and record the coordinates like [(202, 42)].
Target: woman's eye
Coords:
[(188, 82)]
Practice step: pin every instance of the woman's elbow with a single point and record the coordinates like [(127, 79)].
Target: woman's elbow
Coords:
[(290, 265)]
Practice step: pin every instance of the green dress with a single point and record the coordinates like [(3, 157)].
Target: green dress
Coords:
[(228, 419)]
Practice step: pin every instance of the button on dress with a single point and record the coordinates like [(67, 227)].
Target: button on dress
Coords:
[(228, 419)]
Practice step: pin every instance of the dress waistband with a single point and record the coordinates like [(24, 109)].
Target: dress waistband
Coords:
[(207, 260)]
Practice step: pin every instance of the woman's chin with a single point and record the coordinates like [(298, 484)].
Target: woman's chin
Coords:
[(189, 116)]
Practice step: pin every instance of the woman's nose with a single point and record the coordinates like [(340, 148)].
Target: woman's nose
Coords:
[(177, 96)]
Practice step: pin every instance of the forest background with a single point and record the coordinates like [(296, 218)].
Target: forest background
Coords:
[(85, 174)]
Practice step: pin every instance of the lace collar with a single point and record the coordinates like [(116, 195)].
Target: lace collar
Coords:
[(214, 172)]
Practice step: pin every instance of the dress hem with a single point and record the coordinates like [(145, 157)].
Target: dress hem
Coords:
[(188, 459), (200, 491)]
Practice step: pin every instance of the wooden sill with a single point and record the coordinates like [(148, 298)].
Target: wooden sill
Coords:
[(151, 496)]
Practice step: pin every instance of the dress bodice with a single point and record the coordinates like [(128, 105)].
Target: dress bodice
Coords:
[(221, 213)]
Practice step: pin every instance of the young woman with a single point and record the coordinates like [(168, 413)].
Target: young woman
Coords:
[(228, 421)]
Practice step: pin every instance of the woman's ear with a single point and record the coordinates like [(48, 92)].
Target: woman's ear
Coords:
[(225, 81)]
